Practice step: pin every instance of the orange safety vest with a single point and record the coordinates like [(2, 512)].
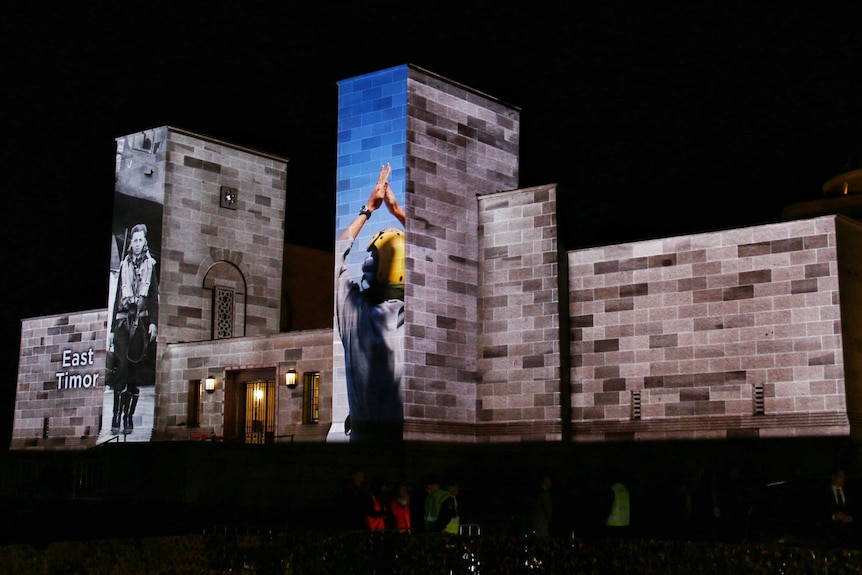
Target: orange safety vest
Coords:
[(401, 514), (375, 523)]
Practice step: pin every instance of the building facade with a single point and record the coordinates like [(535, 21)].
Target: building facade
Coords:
[(501, 335)]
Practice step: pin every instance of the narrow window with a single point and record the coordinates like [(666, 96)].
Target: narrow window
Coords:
[(636, 405), (193, 410), (759, 404), (311, 397), (223, 313)]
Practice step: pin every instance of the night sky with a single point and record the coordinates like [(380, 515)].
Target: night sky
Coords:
[(653, 120)]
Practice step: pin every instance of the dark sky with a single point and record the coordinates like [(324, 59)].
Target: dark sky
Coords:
[(654, 119)]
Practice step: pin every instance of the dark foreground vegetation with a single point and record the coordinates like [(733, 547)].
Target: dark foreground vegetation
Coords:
[(390, 553), (697, 508)]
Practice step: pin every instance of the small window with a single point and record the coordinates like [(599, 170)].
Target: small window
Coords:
[(223, 312), (759, 403), (636, 405), (311, 397), (193, 411)]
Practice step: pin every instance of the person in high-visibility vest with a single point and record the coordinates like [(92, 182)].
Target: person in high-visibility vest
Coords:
[(376, 509), (620, 514), (433, 499), (441, 506), (449, 519), (399, 509)]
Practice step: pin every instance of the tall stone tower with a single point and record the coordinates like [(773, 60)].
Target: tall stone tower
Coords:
[(446, 144), (212, 215)]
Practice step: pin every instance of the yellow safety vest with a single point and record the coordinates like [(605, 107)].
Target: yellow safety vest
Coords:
[(452, 526), (432, 506), (620, 510)]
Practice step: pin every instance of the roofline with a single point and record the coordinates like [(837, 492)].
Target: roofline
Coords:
[(464, 87), (253, 151)]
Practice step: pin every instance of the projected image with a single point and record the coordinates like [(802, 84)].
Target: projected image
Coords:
[(370, 321), (133, 289), (132, 342)]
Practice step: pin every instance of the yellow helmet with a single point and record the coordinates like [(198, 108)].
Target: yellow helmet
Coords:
[(387, 249)]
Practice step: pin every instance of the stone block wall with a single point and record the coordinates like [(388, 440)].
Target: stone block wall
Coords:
[(519, 340), (850, 282), (460, 143), (199, 232), (304, 351), (61, 370), (729, 333)]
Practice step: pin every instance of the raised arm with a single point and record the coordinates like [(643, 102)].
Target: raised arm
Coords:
[(377, 197), (392, 205)]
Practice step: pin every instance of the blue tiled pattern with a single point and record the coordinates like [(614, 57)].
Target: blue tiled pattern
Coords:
[(372, 130)]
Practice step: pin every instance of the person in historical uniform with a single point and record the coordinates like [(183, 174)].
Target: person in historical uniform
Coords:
[(135, 316)]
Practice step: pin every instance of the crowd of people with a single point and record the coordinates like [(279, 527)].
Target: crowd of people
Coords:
[(383, 506), (434, 507)]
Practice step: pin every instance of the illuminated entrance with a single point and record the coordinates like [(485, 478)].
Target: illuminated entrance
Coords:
[(250, 406), (259, 411)]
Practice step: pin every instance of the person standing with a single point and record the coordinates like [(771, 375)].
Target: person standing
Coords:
[(399, 509), (135, 316), (542, 512), (433, 499), (619, 518), (376, 508), (449, 517), (840, 516), (351, 507)]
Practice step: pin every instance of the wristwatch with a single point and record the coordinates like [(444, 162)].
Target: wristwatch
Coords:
[(364, 211)]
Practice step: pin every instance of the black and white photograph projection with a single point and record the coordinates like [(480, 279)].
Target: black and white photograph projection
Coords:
[(133, 306)]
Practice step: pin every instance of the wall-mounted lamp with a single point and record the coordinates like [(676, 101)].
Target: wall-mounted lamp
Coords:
[(210, 384), (290, 378)]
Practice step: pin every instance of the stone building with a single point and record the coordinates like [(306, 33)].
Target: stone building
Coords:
[(507, 337), (739, 333)]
